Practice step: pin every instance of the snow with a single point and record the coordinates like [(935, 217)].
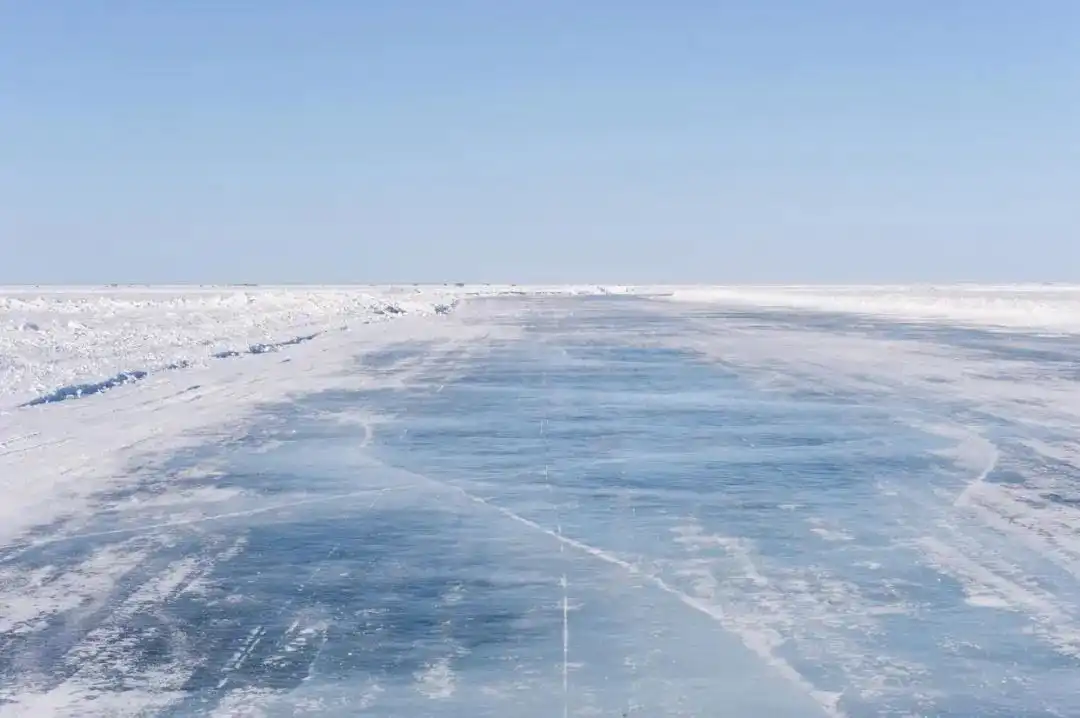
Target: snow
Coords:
[(68, 341), (1053, 308), (56, 338), (492, 500)]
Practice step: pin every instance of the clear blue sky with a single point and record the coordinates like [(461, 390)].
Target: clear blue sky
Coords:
[(539, 140)]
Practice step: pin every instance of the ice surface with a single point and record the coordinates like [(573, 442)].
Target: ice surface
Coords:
[(557, 501)]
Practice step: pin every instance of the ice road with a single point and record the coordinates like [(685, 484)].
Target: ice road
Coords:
[(650, 502)]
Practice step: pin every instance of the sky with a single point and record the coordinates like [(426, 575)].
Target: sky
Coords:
[(685, 141)]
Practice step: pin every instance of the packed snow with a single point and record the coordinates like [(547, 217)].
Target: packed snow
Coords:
[(500, 500)]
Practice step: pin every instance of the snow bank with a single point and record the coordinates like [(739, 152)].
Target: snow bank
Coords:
[(1052, 308), (65, 342), (58, 343), (70, 341)]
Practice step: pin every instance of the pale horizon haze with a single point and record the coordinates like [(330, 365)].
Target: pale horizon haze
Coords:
[(539, 142)]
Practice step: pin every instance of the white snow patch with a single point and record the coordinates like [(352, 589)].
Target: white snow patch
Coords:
[(437, 681), (1045, 307), (64, 336)]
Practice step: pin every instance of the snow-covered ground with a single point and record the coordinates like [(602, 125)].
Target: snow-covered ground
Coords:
[(50, 339), (488, 501), (63, 341), (1051, 308)]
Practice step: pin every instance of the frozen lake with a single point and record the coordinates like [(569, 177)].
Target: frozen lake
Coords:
[(604, 506)]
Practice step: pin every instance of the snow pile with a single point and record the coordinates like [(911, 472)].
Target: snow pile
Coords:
[(69, 341), (1051, 308), (66, 342)]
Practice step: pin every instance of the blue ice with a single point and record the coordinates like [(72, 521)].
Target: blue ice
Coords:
[(588, 521)]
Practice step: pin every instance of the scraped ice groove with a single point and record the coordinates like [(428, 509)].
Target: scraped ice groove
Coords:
[(242, 654), (761, 644), (257, 674), (31, 596), (21, 444), (134, 657), (44, 611), (303, 631), (117, 654), (297, 640)]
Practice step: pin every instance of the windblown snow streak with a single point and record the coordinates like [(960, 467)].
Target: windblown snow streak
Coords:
[(544, 504)]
